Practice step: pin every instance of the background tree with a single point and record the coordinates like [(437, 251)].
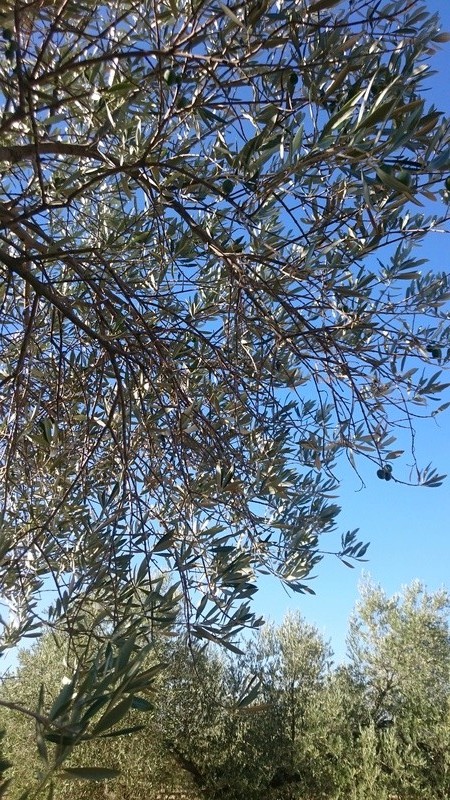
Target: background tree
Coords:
[(292, 662), (400, 654), (244, 724), (203, 723)]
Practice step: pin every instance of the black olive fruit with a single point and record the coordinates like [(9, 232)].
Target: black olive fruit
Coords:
[(385, 473), (227, 186), (170, 77)]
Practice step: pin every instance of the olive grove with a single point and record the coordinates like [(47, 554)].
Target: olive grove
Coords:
[(280, 722)]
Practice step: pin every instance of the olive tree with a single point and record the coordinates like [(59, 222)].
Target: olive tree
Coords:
[(194, 323), (209, 292), (399, 651)]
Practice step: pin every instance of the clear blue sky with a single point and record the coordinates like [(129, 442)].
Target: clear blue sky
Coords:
[(409, 528)]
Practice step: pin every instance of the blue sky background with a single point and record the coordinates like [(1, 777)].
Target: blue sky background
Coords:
[(408, 527)]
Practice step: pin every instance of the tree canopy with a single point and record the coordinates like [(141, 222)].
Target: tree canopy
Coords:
[(209, 292)]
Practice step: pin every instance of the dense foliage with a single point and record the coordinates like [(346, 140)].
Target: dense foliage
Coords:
[(208, 293), (194, 323), (280, 722)]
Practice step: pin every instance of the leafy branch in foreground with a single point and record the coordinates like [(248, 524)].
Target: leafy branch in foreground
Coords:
[(209, 292), (106, 682)]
